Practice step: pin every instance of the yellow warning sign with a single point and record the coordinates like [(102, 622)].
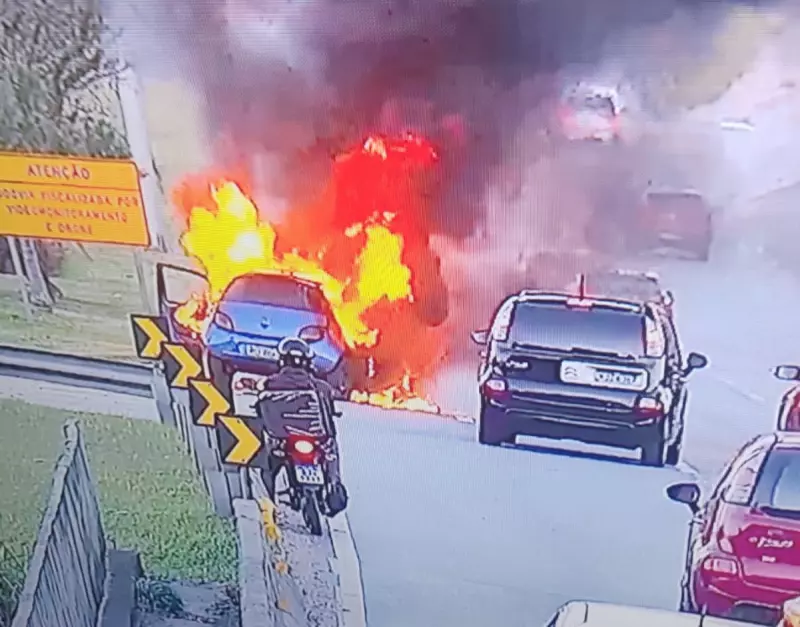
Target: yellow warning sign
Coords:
[(179, 365), (82, 200), (206, 402), (246, 445), (149, 334)]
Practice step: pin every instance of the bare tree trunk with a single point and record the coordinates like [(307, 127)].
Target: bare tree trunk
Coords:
[(40, 294)]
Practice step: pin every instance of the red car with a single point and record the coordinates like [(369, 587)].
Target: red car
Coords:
[(676, 219), (743, 557), (789, 411)]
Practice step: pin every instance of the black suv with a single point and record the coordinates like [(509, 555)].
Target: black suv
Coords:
[(599, 371)]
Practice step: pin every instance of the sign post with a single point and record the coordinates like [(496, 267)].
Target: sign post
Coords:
[(19, 271)]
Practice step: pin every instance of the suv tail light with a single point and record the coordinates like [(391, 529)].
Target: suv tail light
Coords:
[(654, 341), (721, 565), (223, 321), (649, 407), (495, 388)]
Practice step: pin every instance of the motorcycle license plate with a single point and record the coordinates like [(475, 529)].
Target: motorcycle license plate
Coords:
[(309, 474)]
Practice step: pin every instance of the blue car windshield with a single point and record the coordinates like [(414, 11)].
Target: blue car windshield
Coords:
[(275, 290)]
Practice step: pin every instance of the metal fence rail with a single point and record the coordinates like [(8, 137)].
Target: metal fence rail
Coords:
[(111, 376), (66, 575)]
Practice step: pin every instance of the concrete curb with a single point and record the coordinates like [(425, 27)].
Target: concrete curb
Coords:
[(257, 609), (347, 567)]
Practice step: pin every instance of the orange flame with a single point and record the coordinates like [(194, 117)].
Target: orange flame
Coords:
[(226, 236)]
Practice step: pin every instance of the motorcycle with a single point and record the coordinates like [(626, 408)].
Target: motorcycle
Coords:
[(306, 479)]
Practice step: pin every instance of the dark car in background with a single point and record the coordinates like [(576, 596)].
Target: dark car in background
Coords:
[(678, 220), (600, 371), (743, 553)]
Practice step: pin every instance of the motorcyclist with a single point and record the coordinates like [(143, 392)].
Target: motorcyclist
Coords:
[(296, 373)]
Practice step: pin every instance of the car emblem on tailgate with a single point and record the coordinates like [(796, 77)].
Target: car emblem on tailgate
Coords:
[(265, 322), (517, 365)]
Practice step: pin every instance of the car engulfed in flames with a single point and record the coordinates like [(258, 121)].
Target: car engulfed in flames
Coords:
[(364, 243)]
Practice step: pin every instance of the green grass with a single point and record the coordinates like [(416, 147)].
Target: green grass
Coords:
[(92, 318), (151, 498)]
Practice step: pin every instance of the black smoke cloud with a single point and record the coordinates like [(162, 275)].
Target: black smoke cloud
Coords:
[(300, 80)]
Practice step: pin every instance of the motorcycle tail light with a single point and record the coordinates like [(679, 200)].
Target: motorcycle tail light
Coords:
[(304, 447), (302, 450)]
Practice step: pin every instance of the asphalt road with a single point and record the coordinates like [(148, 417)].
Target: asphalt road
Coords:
[(452, 533)]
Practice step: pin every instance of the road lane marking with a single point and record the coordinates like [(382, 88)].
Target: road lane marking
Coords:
[(687, 469), (751, 396), (348, 570)]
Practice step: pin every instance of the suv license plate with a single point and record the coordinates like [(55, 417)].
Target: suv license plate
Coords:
[(309, 474)]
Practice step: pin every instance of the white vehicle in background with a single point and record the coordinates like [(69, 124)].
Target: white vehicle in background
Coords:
[(591, 614), (590, 112)]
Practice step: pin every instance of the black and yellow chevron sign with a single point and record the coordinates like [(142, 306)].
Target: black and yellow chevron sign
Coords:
[(206, 402), (179, 365), (240, 441), (149, 335)]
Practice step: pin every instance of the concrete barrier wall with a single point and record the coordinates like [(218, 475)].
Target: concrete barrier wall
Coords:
[(66, 574)]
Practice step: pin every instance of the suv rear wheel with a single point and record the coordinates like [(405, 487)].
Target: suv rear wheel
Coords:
[(654, 448), (489, 431)]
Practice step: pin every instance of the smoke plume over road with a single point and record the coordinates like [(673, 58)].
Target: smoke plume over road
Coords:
[(289, 84)]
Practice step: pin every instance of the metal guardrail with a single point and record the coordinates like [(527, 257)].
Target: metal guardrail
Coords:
[(87, 372)]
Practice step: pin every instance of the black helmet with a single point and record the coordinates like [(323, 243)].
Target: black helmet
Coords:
[(294, 352)]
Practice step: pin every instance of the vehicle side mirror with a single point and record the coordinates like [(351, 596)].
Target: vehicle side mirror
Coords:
[(695, 361), (669, 299), (686, 493), (787, 373), (481, 338)]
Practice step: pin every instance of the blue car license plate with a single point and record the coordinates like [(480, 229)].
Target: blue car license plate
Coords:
[(256, 351)]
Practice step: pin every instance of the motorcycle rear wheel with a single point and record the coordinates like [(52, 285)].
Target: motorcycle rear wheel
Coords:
[(311, 515)]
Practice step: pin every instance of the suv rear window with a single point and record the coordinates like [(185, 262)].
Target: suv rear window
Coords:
[(561, 328), (778, 489), (274, 290)]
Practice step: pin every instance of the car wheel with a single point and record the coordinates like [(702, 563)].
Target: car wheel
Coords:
[(490, 431), (654, 449)]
